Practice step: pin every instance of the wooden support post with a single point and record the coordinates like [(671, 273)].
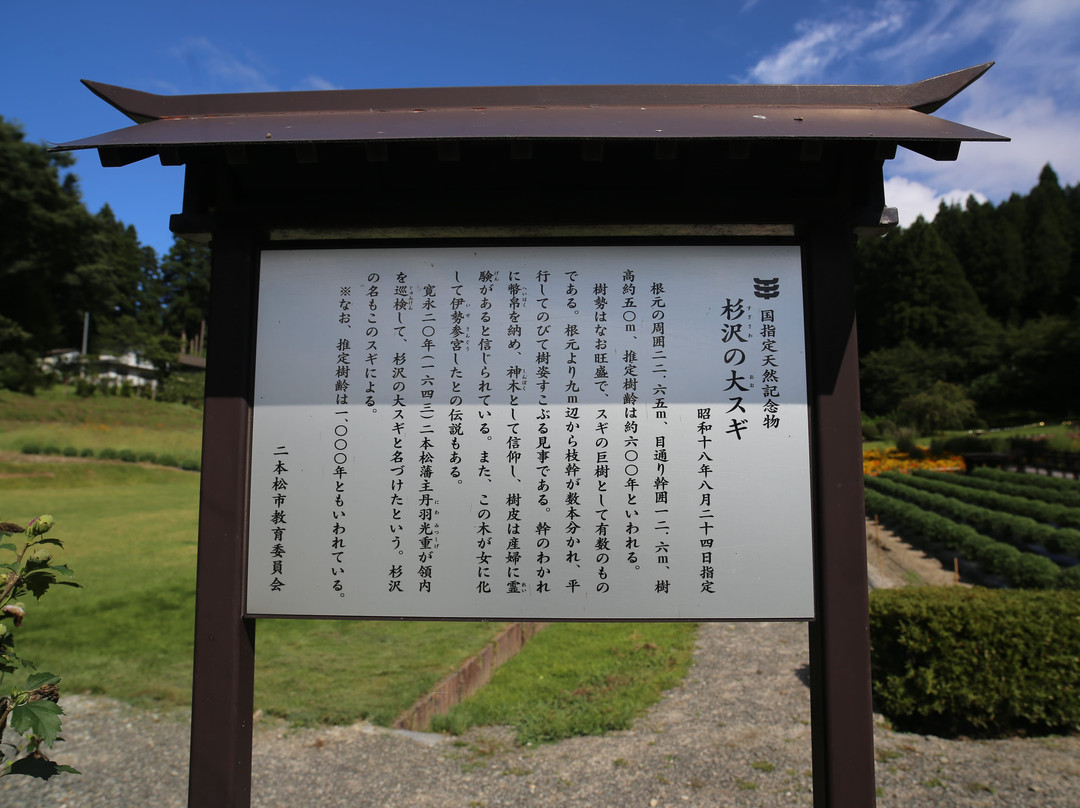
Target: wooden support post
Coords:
[(840, 700), (222, 687)]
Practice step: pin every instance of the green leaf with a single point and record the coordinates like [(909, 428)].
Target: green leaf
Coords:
[(39, 582), (38, 718), (39, 766), (11, 547), (40, 678), (11, 567), (63, 569), (57, 542)]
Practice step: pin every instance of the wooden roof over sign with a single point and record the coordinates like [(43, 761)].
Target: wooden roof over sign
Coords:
[(896, 114)]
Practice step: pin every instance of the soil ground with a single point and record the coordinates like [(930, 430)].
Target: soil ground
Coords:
[(892, 562)]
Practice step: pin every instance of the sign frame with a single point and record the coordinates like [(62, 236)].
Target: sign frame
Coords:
[(713, 262)]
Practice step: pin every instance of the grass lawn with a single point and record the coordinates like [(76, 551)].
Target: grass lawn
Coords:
[(60, 405), (129, 534), (1063, 435), (59, 418), (336, 671), (580, 679)]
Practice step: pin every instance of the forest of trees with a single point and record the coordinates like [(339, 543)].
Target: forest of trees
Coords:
[(58, 261), (970, 320), (974, 319)]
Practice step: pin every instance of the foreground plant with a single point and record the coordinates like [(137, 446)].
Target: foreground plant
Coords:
[(29, 712)]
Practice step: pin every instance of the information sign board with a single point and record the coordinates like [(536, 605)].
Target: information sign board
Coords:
[(522, 432)]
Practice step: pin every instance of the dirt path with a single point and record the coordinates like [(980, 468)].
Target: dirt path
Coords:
[(892, 562)]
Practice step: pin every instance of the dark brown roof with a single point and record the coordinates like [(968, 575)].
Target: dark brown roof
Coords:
[(896, 113), (188, 360)]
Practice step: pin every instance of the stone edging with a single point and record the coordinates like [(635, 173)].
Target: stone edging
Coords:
[(470, 677)]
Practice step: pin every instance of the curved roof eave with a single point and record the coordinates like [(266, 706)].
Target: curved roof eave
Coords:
[(898, 113)]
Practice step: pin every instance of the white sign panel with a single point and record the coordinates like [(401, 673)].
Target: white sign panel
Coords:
[(531, 433)]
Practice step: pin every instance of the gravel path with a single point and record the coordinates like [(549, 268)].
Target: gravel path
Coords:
[(735, 734)]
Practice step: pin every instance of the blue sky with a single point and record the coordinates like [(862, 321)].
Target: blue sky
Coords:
[(1031, 95)]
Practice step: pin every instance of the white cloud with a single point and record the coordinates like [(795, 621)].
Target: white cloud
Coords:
[(1034, 41), (913, 199), (1032, 95), (216, 70), (821, 43), (939, 28), (316, 83), (1046, 12)]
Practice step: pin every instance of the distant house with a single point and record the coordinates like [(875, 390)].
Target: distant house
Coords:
[(128, 368)]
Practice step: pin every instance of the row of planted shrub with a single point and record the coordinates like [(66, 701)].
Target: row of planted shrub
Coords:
[(954, 660), (1018, 531), (1018, 569), (1012, 488), (1045, 512), (1040, 481), (126, 455)]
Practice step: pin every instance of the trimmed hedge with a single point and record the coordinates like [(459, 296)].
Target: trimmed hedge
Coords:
[(1002, 525), (1049, 513), (108, 453), (1069, 579), (957, 661), (1033, 480), (997, 558), (1015, 488)]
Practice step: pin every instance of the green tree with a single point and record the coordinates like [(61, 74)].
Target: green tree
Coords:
[(185, 279), (984, 297), (121, 273), (133, 293), (1049, 251), (1035, 378), (59, 262), (920, 320), (942, 406), (43, 231), (890, 375), (18, 365), (991, 251), (928, 298)]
